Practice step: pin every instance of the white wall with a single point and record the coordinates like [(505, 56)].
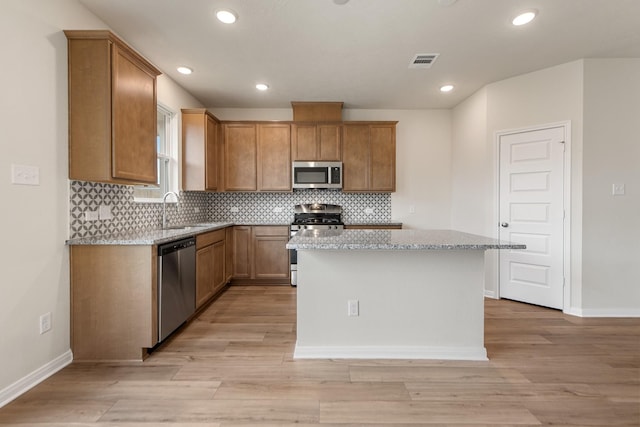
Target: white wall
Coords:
[(611, 234), (547, 96), (471, 209), (422, 159), (33, 119)]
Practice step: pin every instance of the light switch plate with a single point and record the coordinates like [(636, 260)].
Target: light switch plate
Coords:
[(25, 175), (617, 189)]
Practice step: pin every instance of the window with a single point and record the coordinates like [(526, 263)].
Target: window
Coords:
[(166, 144)]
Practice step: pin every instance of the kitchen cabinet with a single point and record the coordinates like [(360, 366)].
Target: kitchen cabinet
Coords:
[(274, 157), (114, 305), (228, 258), (369, 157), (199, 150), (240, 156), (210, 265), (260, 254), (316, 142), (112, 110), (257, 156)]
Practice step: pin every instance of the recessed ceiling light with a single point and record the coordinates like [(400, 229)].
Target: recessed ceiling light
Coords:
[(262, 86), (227, 16), (446, 88), (185, 70), (524, 18)]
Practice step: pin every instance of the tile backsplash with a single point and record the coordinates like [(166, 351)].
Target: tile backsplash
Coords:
[(127, 214), (277, 208), (193, 207)]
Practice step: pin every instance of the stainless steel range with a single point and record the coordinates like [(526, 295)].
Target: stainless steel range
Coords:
[(312, 216)]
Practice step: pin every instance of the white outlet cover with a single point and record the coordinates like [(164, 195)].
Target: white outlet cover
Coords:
[(368, 211), (234, 209)]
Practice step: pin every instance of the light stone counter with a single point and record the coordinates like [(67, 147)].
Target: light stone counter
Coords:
[(150, 237), (389, 294), (395, 240)]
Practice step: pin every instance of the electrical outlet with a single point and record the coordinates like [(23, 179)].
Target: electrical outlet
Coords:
[(412, 209), (91, 215), (45, 323), (368, 211), (196, 210), (104, 212), (353, 308), (234, 209), (277, 210)]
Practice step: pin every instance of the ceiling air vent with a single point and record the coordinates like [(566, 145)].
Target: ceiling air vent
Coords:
[(423, 60)]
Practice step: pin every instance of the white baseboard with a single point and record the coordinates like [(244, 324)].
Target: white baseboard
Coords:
[(604, 312), (490, 294), (34, 378), (390, 352)]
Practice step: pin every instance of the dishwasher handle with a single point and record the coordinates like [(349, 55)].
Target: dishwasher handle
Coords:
[(174, 246)]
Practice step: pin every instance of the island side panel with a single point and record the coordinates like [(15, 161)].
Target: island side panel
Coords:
[(419, 304)]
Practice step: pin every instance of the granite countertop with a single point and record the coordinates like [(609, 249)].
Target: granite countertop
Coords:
[(374, 224), (150, 237), (395, 240)]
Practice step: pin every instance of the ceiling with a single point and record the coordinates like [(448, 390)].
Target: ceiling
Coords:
[(359, 52)]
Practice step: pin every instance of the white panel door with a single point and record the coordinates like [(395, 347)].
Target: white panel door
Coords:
[(532, 212)]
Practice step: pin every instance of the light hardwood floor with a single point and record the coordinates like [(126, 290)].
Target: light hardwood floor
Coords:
[(233, 366)]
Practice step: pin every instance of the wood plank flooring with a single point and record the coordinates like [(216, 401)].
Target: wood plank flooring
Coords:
[(233, 365)]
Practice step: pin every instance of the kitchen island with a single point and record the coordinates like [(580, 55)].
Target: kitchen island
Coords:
[(383, 294)]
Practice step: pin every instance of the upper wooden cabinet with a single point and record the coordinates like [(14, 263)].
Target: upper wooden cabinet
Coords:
[(240, 156), (369, 157), (257, 156), (318, 142), (199, 150), (112, 110), (274, 157)]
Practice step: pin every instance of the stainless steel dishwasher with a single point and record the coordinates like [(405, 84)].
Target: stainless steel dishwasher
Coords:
[(176, 284)]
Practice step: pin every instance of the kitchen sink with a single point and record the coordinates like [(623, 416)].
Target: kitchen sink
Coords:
[(178, 227)]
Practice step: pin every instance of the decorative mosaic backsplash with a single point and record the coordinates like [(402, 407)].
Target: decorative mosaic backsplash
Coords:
[(263, 208), (194, 207), (127, 214)]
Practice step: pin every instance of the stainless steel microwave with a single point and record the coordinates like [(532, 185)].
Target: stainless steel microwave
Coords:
[(317, 175)]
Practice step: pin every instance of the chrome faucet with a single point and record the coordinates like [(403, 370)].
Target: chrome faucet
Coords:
[(164, 206)]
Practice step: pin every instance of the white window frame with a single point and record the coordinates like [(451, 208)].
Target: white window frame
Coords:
[(154, 193)]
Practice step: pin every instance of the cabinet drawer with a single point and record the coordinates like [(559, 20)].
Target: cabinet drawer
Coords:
[(210, 238), (271, 230)]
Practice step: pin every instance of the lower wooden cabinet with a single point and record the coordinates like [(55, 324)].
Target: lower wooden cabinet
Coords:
[(114, 305), (210, 265), (260, 254)]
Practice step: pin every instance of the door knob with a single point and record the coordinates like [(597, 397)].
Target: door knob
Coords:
[(504, 224)]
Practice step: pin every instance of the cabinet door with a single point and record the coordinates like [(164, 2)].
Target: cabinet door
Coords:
[(134, 120), (274, 157), (355, 157), (242, 252), (204, 274), (240, 147), (329, 144), (304, 142), (211, 154), (228, 250), (383, 158), (271, 257), (218, 262)]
